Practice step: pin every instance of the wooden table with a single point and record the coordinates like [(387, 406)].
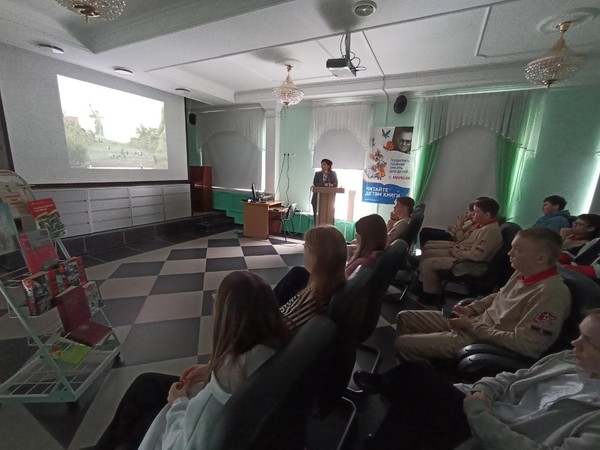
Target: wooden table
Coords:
[(256, 218)]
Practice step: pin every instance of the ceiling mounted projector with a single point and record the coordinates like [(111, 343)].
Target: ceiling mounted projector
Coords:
[(344, 67), (341, 67)]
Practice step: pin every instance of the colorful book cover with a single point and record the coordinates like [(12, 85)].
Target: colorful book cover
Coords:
[(38, 292), (8, 230), (69, 352), (72, 307), (93, 296), (75, 315), (38, 250), (72, 271), (47, 217)]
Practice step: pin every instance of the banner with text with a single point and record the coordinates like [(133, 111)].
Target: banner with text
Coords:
[(388, 165)]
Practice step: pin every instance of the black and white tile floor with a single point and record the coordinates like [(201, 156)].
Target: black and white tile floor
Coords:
[(158, 298)]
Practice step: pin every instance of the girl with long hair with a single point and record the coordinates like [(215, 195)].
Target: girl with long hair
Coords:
[(324, 260), (248, 328), (371, 237)]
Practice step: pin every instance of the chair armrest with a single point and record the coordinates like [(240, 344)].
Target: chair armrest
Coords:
[(490, 349), (480, 360), (474, 367), (467, 301)]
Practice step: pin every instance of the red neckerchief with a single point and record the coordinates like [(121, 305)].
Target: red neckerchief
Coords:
[(533, 279), (481, 225)]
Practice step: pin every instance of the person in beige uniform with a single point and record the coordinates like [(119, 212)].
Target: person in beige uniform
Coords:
[(459, 232), (399, 219), (481, 245), (525, 316)]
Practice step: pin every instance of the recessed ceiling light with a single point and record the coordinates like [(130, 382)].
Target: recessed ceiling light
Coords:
[(52, 48), (123, 71), (184, 90), (364, 8)]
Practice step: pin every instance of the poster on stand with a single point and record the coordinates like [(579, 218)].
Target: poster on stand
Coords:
[(388, 165)]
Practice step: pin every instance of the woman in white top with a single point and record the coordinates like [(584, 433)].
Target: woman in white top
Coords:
[(248, 328)]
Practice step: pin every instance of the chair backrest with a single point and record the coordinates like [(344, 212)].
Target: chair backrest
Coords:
[(388, 264), (585, 295), (291, 212), (419, 207), (414, 226), (500, 266), (348, 306), (269, 410), (347, 309)]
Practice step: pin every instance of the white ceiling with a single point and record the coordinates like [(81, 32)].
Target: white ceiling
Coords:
[(227, 51)]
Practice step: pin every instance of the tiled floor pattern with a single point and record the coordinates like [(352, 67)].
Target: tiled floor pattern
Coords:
[(159, 301)]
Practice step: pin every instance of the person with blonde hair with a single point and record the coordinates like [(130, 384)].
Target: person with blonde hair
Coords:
[(180, 412), (325, 261), (371, 237)]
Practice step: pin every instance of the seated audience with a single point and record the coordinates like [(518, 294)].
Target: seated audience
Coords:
[(458, 233), (455, 233), (587, 260), (397, 226), (324, 263), (371, 238), (525, 316), (585, 228), (180, 412), (555, 215), (553, 405), (481, 245)]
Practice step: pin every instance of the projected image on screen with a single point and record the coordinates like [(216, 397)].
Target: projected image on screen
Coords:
[(110, 129)]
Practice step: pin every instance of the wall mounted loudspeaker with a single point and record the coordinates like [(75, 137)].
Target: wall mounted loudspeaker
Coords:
[(192, 119), (400, 104)]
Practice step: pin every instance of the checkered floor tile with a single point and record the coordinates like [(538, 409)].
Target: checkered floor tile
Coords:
[(160, 305)]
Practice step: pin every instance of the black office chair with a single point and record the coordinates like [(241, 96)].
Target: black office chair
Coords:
[(285, 218), (419, 207), (403, 276), (269, 410), (492, 275), (357, 308), (479, 360)]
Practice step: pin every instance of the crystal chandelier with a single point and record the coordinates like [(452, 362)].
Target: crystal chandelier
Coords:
[(557, 64), (287, 93), (91, 9)]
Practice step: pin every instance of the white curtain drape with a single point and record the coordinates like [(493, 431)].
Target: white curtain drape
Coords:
[(233, 144), (501, 112), (357, 119), (250, 123)]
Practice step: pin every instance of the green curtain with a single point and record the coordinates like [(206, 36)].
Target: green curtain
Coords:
[(511, 155), (426, 158), (510, 160)]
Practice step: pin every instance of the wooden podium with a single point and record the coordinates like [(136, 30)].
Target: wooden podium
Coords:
[(326, 204)]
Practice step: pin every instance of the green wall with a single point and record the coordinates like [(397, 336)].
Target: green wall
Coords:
[(294, 184), (565, 163)]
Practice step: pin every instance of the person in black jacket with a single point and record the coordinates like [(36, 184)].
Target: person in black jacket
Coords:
[(325, 178)]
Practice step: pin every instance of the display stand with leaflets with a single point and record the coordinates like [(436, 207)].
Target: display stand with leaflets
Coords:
[(61, 368)]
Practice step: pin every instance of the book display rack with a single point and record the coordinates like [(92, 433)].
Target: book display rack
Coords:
[(63, 366)]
